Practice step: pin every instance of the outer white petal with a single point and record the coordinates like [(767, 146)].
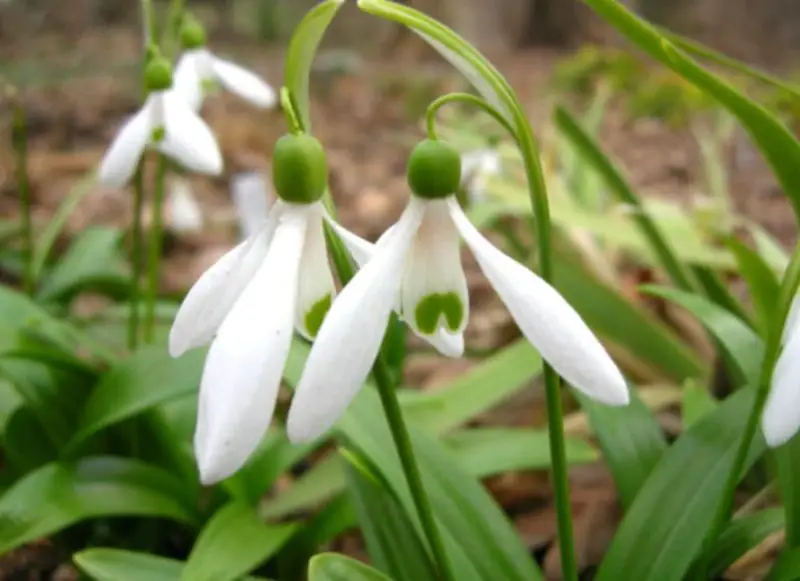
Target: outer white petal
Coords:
[(187, 82), (122, 157), (350, 337), (781, 418), (245, 363), (547, 320), (188, 139), (315, 289), (211, 298), (448, 344), (433, 269), (244, 83)]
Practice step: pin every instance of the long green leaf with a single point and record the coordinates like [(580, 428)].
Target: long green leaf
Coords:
[(300, 54), (787, 567), (333, 567), (761, 280), (232, 543), (742, 535), (631, 440), (778, 145), (59, 495), (145, 380), (664, 528)]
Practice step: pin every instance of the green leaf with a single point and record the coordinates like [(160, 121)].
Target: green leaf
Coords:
[(333, 567), (392, 542), (696, 403), (778, 145), (145, 380), (119, 565), (789, 484), (232, 543), (761, 280), (719, 292), (324, 481), (25, 443), (59, 495), (631, 440), (740, 343), (787, 567), (300, 55), (594, 156), (769, 248), (664, 528), (740, 536), (92, 262), (488, 451)]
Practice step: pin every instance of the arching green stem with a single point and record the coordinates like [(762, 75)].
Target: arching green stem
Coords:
[(289, 108), (467, 99)]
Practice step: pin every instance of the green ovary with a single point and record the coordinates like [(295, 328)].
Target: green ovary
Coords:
[(316, 314), (439, 305)]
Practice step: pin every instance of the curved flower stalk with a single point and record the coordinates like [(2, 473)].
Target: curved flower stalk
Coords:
[(199, 71), (166, 124), (781, 417), (418, 265)]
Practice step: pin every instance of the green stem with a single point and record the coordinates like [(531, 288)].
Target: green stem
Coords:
[(19, 137), (136, 257), (172, 32), (149, 25), (155, 247), (772, 352), (537, 190)]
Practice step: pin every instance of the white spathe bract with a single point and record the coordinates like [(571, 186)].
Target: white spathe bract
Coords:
[(198, 68), (165, 123), (781, 418), (247, 305), (418, 263)]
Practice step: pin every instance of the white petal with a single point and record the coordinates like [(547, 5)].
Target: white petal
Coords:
[(448, 344), (187, 82), (792, 323), (315, 289), (211, 298), (547, 320), (781, 418), (245, 363), (251, 198), (434, 292), (188, 139), (185, 213), (123, 156), (244, 83), (350, 337)]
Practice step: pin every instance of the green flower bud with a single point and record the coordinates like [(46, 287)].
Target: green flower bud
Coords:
[(434, 170), (157, 74), (299, 169), (193, 35)]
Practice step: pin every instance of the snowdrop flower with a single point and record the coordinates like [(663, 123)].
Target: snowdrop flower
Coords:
[(199, 71), (251, 199), (165, 123), (185, 213), (417, 264), (476, 168), (781, 418)]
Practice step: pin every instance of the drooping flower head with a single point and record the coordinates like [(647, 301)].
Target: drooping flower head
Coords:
[(166, 123), (200, 72), (781, 418), (417, 267)]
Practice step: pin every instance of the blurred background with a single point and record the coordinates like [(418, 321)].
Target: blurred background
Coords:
[(73, 65)]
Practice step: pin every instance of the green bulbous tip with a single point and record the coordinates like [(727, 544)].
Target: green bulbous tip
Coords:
[(158, 74), (193, 35), (299, 169), (434, 169)]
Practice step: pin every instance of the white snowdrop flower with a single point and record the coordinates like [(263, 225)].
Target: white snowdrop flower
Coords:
[(165, 123), (418, 265), (251, 200), (477, 167), (781, 418), (199, 71), (185, 213)]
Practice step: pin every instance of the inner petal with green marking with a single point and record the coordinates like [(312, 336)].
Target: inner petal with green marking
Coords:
[(316, 314), (158, 135), (439, 309)]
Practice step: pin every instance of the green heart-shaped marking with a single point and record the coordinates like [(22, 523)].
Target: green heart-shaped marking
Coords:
[(316, 314), (436, 306)]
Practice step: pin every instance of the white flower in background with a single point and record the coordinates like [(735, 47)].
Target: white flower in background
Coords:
[(199, 70), (184, 210), (781, 418), (477, 167), (252, 199), (164, 123), (418, 264)]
